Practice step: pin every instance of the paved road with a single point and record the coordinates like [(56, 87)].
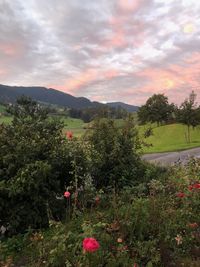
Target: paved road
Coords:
[(169, 158)]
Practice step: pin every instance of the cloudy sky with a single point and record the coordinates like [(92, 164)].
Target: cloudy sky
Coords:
[(106, 50)]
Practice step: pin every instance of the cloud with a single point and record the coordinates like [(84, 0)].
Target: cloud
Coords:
[(106, 50)]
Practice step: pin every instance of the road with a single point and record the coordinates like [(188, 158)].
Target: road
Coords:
[(169, 158)]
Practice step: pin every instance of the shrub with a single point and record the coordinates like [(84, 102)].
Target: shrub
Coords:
[(36, 165), (115, 161)]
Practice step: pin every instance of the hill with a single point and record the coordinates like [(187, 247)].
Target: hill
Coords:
[(127, 107), (9, 94), (170, 138)]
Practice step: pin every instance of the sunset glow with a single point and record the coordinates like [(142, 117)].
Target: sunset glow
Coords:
[(121, 50)]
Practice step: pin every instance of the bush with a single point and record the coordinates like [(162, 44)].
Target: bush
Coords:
[(36, 166), (115, 161)]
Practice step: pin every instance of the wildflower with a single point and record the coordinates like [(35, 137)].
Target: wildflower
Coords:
[(193, 225), (119, 240), (69, 135), (179, 239), (180, 195), (67, 194), (196, 186), (90, 244), (190, 187)]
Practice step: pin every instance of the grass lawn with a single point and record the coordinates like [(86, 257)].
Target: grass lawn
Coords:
[(171, 138), (5, 119), (77, 126), (2, 108)]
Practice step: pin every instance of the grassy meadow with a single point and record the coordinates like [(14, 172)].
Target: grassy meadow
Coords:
[(171, 138), (165, 138)]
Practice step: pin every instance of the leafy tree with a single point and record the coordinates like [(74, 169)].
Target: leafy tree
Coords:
[(35, 166), (189, 114), (114, 153), (156, 109)]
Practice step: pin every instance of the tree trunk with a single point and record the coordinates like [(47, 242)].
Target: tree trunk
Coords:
[(188, 128)]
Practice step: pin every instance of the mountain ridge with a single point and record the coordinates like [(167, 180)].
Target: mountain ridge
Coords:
[(9, 94)]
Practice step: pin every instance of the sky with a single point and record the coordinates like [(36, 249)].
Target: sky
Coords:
[(105, 50)]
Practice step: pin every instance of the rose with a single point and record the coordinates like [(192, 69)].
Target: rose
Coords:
[(67, 194), (69, 135), (90, 244)]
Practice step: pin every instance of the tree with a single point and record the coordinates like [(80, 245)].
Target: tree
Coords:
[(189, 114), (156, 109), (114, 154)]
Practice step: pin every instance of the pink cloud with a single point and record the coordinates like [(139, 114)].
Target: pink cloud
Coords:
[(84, 79), (11, 50), (129, 5), (109, 74)]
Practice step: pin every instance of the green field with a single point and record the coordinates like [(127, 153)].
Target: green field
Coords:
[(77, 126), (165, 138), (171, 138), (2, 108)]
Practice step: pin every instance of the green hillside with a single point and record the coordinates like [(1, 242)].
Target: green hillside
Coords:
[(171, 138)]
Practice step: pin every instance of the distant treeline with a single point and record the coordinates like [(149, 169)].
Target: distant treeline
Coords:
[(89, 114)]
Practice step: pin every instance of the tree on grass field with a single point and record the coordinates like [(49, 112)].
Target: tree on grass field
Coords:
[(157, 109), (189, 114)]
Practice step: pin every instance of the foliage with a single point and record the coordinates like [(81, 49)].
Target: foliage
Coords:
[(156, 228), (114, 154), (157, 109), (189, 114), (35, 166), (101, 111)]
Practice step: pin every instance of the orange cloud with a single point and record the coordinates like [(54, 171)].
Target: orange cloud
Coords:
[(175, 80)]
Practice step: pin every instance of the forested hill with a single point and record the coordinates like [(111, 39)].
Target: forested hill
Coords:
[(9, 94)]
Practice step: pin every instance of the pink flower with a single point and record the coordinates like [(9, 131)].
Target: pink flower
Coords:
[(67, 194), (69, 135), (90, 244), (180, 194)]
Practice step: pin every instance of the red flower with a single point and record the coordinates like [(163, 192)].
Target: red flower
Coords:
[(196, 186), (69, 135), (180, 195), (90, 244), (67, 194), (190, 187), (193, 225)]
